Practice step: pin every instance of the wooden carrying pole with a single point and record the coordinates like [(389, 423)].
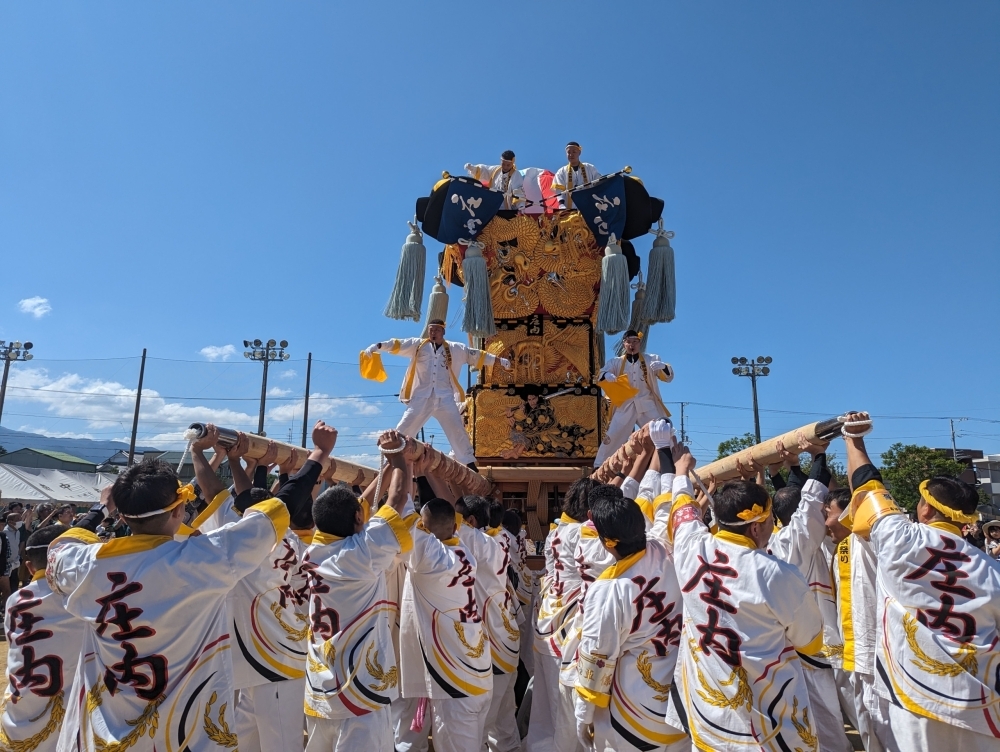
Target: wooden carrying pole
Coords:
[(765, 453), (293, 457)]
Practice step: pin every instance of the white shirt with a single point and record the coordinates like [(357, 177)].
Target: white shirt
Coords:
[(352, 669), (745, 614), (430, 375), (510, 184), (444, 650), (157, 630), (492, 597), (45, 643)]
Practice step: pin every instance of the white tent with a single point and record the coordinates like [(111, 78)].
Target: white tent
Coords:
[(34, 485)]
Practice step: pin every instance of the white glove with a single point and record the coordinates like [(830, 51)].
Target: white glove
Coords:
[(371, 349), (661, 433), (505, 363), (657, 365)]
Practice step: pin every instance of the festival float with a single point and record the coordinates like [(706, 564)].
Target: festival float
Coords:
[(540, 285)]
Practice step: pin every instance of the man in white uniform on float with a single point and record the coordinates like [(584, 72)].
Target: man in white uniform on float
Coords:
[(574, 174), (431, 388), (644, 373), (503, 178)]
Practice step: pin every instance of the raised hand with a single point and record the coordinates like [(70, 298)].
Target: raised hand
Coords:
[(208, 440), (324, 437)]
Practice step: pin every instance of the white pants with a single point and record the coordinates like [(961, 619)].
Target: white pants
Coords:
[(873, 713), (845, 690), (606, 739), (623, 422), (367, 733), (269, 717), (458, 723), (912, 732), (553, 724), (402, 711), (824, 707), (445, 411), (501, 728)]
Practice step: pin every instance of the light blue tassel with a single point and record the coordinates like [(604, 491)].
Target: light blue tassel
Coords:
[(408, 292), (613, 304)]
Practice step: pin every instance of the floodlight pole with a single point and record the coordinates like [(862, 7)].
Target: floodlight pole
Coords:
[(753, 368), (11, 351), (264, 352)]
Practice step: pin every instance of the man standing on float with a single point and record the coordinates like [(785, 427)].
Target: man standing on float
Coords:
[(503, 178), (644, 403), (575, 174), (431, 388)]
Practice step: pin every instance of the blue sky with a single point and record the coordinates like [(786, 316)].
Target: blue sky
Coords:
[(187, 175)]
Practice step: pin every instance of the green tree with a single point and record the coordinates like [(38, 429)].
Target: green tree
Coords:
[(905, 467), (736, 444)]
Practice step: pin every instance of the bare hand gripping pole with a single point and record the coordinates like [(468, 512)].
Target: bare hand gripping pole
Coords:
[(292, 458)]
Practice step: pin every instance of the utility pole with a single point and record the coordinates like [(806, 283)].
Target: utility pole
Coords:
[(684, 438), (954, 448), (305, 412), (265, 353), (135, 417), (11, 351), (753, 369)]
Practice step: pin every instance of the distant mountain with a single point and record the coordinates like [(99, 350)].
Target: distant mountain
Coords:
[(87, 449)]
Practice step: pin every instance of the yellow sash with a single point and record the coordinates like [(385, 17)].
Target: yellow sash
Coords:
[(843, 563)]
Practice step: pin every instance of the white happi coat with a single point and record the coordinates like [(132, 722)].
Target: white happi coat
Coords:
[(560, 596), (628, 649), (352, 670), (647, 402), (267, 611), (801, 544), (44, 642), (158, 635), (591, 559), (493, 598), (939, 642), (745, 614), (568, 178), (444, 651), (434, 373), (510, 184)]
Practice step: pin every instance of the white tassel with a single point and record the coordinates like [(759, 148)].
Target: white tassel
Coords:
[(408, 292), (478, 319), (612, 305), (636, 323), (437, 306), (661, 286)]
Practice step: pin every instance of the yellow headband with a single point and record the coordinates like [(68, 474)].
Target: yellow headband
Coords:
[(952, 514), (184, 494), (754, 514)]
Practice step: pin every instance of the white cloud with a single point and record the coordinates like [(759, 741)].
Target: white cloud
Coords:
[(289, 374), (277, 391), (36, 306), (101, 405), (218, 352)]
